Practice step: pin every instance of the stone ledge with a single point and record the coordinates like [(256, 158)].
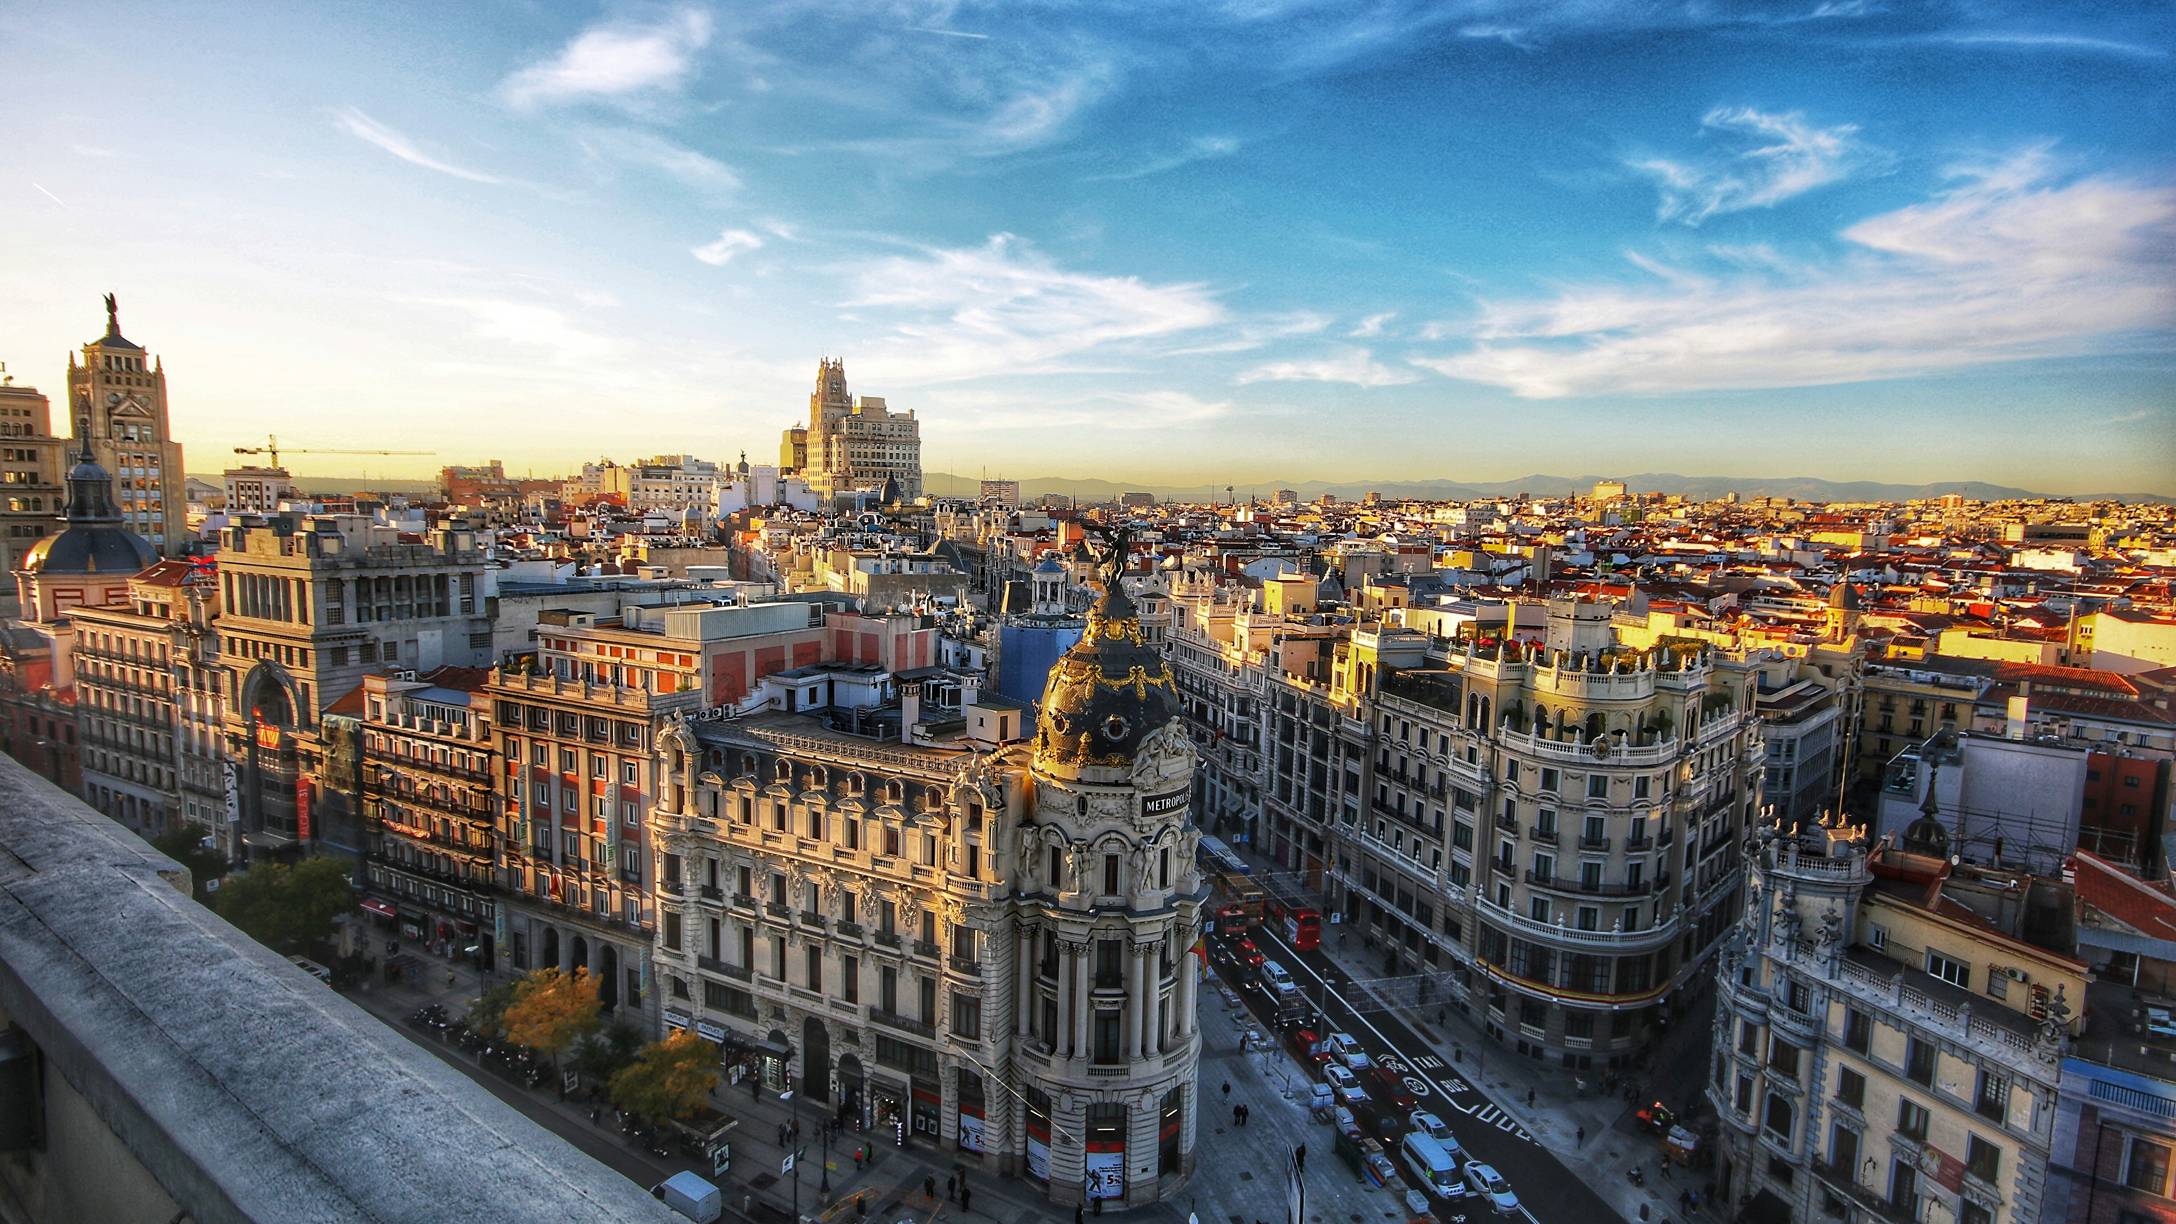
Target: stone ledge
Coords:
[(245, 1087)]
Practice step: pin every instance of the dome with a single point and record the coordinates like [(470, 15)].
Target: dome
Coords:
[(94, 541), (1844, 596), (1109, 692), (1049, 565), (1926, 834)]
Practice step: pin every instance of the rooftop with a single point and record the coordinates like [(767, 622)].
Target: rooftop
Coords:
[(241, 1086)]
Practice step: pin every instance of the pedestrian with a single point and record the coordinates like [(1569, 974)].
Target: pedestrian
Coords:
[(929, 1187), (1665, 1169), (1299, 1158), (1227, 1090), (1684, 1200), (951, 1188), (1582, 1134), (1529, 1098), (963, 1197), (1079, 1213), (1236, 1111), (861, 1209), (1099, 1206)]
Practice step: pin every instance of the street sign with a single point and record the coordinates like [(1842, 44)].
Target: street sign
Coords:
[(571, 1080), (785, 1166)]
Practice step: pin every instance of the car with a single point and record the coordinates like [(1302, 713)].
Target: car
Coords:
[(1347, 1051), (1432, 1126), (1233, 918), (1487, 1184), (1345, 1084), (1307, 1047), (1245, 953), (1389, 1088)]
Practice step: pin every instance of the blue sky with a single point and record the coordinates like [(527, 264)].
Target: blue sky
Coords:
[(1188, 242)]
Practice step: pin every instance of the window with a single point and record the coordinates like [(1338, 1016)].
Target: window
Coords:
[(1858, 1030), (887, 989), (966, 1016), (850, 978), (1783, 1058), (1748, 1039), (1843, 1150), (1745, 1094), (1851, 1088), (1106, 1036), (1877, 937), (2146, 1168), (1597, 786), (1110, 875), (814, 966), (1955, 972), (1994, 1097), (1548, 779), (1982, 1159), (1919, 1059), (1911, 1118), (1781, 1117)]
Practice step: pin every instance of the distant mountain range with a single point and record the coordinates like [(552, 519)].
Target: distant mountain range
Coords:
[(1801, 488), (1088, 489)]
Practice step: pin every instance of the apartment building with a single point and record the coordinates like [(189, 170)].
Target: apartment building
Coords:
[(965, 941), (1890, 1030), (429, 766), (32, 461), (147, 702), (310, 604)]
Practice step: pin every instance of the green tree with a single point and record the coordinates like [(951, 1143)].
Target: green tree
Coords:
[(668, 1079), (551, 1010), (287, 908), (184, 844), (487, 1015), (601, 1055)]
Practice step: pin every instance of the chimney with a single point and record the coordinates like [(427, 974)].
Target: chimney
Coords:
[(910, 710), (2020, 707), (970, 691)]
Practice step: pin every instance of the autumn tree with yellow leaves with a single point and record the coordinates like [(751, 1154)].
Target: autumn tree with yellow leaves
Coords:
[(551, 1010), (668, 1079)]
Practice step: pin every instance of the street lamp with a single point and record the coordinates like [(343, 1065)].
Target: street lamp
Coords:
[(793, 1140)]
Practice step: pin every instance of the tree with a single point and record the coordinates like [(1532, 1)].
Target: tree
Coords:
[(551, 1010), (287, 908), (668, 1079), (487, 1015), (185, 845), (602, 1055)]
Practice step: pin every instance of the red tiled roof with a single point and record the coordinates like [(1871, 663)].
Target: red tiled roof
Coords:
[(2122, 896), (171, 572)]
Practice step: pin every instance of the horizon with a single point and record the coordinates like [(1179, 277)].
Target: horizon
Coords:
[(1493, 241)]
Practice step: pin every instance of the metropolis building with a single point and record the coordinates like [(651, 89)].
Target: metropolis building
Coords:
[(949, 933)]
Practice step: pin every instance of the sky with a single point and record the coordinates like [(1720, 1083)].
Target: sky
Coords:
[(1196, 242)]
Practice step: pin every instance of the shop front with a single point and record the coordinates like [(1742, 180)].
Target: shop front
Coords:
[(888, 1110), (1106, 1164), (971, 1134), (926, 1112)]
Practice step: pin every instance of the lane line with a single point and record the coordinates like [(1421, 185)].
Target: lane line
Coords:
[(1359, 1017)]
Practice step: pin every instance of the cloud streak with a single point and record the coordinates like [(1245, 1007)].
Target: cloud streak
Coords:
[(1767, 157), (1353, 365), (614, 60), (1004, 308), (1199, 149), (728, 244), (2012, 262), (371, 132)]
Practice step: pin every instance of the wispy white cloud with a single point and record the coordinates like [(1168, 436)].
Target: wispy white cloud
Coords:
[(1003, 308), (614, 60), (648, 151), (1768, 157), (1199, 149), (2055, 43), (554, 337), (949, 33), (48, 194), (368, 130), (2012, 262), (1372, 326), (1344, 365), (731, 242), (1257, 331)]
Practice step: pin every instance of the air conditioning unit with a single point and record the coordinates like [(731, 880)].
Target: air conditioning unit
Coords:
[(2013, 973)]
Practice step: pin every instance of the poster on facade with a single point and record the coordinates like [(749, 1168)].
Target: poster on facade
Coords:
[(233, 793), (302, 809), (1038, 1158), (970, 1131), (1106, 1174)]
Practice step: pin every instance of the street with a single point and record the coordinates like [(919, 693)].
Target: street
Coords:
[(1548, 1191)]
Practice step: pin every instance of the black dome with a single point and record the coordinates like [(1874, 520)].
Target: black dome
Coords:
[(1108, 693), (94, 541)]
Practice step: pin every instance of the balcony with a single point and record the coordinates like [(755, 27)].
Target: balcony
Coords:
[(713, 894), (966, 965), (671, 888), (925, 949), (777, 909), (1609, 941), (1594, 843), (878, 1015), (1845, 1183), (742, 901), (1541, 836), (849, 928), (889, 939), (1598, 888), (812, 922), (1637, 843)]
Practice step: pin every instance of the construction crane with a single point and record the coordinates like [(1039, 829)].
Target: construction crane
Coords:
[(271, 448)]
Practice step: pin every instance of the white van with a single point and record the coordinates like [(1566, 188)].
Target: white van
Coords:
[(1432, 1166), (1275, 978)]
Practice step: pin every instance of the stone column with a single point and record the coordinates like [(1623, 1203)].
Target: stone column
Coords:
[(1130, 1029), (1083, 1010), (1061, 1042), (1184, 988), (1143, 984), (1024, 981)]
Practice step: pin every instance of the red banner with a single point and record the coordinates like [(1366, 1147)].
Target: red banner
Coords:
[(302, 809)]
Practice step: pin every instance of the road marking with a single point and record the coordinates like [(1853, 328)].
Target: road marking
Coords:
[(1428, 1062)]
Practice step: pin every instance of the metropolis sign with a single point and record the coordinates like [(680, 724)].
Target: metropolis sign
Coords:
[(1158, 805)]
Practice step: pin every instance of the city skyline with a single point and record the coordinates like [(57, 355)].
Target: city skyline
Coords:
[(1264, 239)]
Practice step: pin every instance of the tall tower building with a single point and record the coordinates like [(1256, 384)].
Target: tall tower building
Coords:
[(1110, 911), (854, 445), (121, 390)]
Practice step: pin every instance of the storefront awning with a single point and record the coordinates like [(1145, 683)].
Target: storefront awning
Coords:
[(755, 1045), (383, 909)]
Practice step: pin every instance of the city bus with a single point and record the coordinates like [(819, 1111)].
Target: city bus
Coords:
[(1303, 928)]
